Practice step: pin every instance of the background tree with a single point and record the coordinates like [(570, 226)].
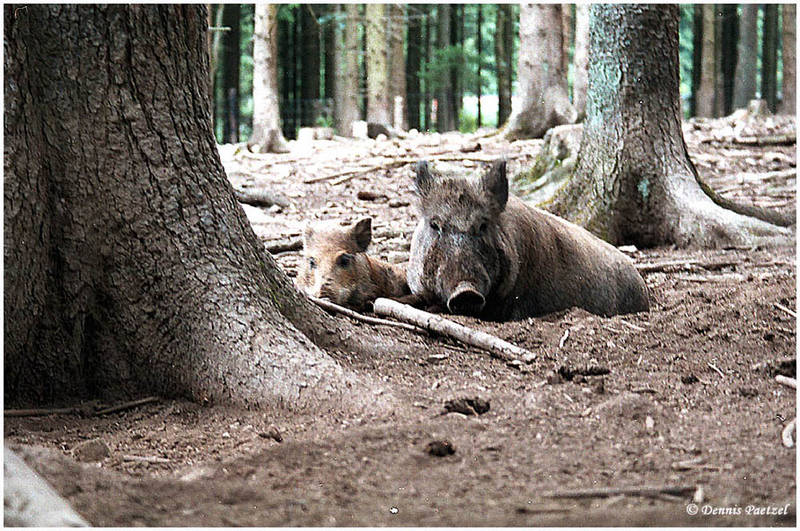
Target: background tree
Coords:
[(769, 56), (503, 61), (705, 102), (346, 109), (413, 65), (728, 31), (744, 88), (231, 56), (378, 105), (445, 90), (634, 181), (267, 134), (479, 45), (580, 78), (789, 88), (397, 62), (543, 98), (697, 57), (311, 34), (129, 266)]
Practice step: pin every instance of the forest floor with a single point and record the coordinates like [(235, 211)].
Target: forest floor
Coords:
[(688, 397)]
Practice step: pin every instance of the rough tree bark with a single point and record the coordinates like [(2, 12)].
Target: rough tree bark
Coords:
[(634, 181), (231, 59), (704, 100), (580, 77), (129, 266), (267, 134), (346, 109), (567, 36), (543, 100), (769, 56), (503, 63), (745, 87), (378, 105), (789, 88)]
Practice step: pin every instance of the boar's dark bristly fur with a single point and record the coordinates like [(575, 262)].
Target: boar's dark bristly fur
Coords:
[(479, 250), (335, 266)]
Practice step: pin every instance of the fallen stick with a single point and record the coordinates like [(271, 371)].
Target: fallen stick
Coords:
[(127, 405), (717, 369), (333, 307), (785, 309), (605, 492), (292, 245), (786, 434), (260, 197), (145, 459), (653, 267), (496, 347), (39, 412), (785, 380)]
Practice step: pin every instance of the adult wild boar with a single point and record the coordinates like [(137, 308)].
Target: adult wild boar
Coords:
[(478, 250), (335, 266)]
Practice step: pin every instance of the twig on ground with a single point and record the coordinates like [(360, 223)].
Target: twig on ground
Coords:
[(145, 459), (632, 326), (711, 265), (39, 412), (333, 307), (294, 244), (605, 492), (785, 309), (261, 197), (494, 345), (563, 339), (786, 434), (717, 369), (127, 405), (785, 380)]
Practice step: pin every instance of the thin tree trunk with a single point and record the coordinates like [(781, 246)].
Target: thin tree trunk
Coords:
[(580, 77), (309, 64), (445, 91), (503, 63), (479, 81), (728, 52), (330, 54), (413, 62), (697, 56), (346, 101), (426, 51), (129, 266), (789, 58), (634, 182), (378, 91), (543, 101), (267, 133), (746, 69), (704, 105), (397, 63), (769, 57), (231, 57), (567, 36)]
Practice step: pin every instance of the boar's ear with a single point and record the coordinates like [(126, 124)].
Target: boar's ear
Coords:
[(423, 179), (495, 183), (362, 233)]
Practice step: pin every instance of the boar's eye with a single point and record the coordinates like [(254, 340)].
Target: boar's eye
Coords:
[(312, 263), (483, 227), (344, 260), (435, 226)]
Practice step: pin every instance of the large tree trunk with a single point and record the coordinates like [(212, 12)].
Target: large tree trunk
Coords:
[(543, 99), (310, 34), (634, 182), (413, 63), (397, 63), (267, 133), (502, 55), (378, 104), (445, 90), (769, 57), (231, 58), (705, 101), (129, 266), (746, 70), (580, 77), (346, 109), (789, 59)]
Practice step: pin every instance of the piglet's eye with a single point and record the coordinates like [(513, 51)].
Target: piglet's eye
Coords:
[(344, 260), (483, 227), (312, 263), (435, 226)]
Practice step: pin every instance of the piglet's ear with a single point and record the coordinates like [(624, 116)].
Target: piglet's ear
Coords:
[(495, 183), (423, 179), (362, 233), (308, 235)]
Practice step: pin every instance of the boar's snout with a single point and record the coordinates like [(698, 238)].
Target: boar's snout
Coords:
[(466, 299)]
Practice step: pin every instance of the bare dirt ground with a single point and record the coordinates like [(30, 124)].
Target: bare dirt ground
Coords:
[(680, 396)]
